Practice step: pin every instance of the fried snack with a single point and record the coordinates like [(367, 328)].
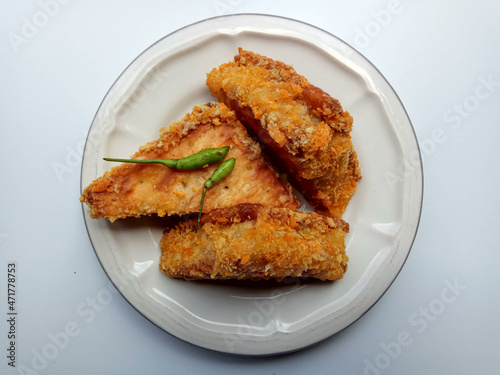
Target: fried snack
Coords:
[(132, 190), (303, 127), (250, 241)]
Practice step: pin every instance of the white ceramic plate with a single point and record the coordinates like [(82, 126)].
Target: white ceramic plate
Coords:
[(262, 318)]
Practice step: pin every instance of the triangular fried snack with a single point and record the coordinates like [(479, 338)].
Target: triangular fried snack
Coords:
[(249, 241), (305, 130), (133, 190)]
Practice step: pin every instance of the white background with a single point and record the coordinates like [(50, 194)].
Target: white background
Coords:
[(442, 58)]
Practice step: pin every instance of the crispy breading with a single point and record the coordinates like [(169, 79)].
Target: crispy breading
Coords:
[(250, 241), (304, 128), (132, 190)]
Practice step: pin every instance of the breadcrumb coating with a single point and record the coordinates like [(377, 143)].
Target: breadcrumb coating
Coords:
[(250, 241), (132, 190), (304, 127)]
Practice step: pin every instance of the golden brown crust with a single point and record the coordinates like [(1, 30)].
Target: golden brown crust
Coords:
[(256, 242), (131, 190), (250, 211), (303, 127)]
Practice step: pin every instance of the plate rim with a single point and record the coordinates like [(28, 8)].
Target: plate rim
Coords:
[(411, 127)]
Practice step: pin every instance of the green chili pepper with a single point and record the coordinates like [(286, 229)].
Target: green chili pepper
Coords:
[(195, 161), (223, 170)]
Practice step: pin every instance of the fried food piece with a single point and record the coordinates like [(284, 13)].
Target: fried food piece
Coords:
[(304, 127), (250, 241), (132, 190)]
